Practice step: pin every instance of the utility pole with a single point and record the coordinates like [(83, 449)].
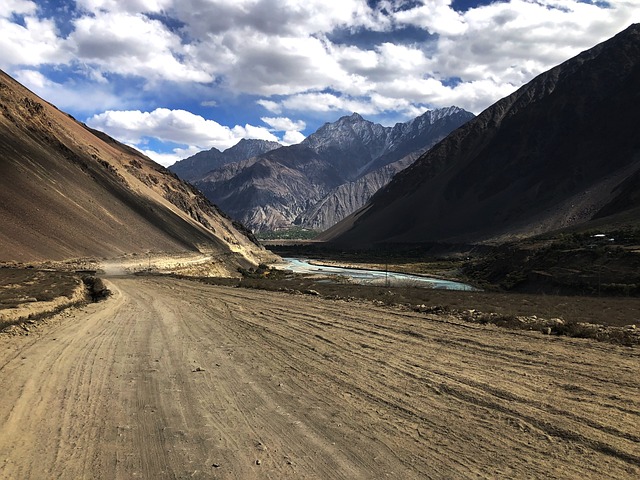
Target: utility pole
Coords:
[(386, 274)]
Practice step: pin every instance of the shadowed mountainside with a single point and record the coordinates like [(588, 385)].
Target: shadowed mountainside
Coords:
[(561, 151), (67, 191)]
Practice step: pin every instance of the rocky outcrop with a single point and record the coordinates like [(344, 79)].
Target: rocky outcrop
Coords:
[(342, 201), (261, 192)]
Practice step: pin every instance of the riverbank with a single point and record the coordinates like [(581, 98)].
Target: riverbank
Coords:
[(368, 276), (586, 263)]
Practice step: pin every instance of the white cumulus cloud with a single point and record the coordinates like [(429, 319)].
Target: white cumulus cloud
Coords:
[(32, 44), (150, 6), (17, 7), (168, 159), (177, 126), (436, 16), (270, 105), (281, 124), (133, 44), (296, 59), (292, 138)]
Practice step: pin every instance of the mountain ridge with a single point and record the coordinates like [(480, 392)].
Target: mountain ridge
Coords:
[(198, 165), (336, 154)]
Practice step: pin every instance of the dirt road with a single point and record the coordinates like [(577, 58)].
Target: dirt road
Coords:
[(174, 379)]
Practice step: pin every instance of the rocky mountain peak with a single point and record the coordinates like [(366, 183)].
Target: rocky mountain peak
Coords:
[(354, 117), (353, 132), (247, 148), (346, 132), (432, 116)]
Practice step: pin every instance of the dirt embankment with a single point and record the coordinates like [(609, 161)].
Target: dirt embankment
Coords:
[(26, 294), (174, 379), (29, 291), (185, 263)]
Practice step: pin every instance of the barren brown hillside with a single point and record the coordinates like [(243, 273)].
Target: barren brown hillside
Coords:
[(67, 191)]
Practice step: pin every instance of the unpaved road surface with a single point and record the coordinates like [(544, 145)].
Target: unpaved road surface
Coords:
[(175, 379)]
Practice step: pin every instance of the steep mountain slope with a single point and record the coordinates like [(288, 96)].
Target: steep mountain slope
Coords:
[(274, 189), (345, 199), (198, 165), (67, 191), (348, 144), (561, 151), (282, 187)]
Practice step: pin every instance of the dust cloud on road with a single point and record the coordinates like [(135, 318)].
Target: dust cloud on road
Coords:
[(174, 379)]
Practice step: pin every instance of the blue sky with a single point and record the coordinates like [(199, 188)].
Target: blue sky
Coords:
[(173, 77)]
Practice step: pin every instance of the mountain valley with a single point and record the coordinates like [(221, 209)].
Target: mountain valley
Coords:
[(146, 333)]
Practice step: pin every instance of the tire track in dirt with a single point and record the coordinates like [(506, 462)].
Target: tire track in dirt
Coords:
[(494, 399), (175, 379)]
